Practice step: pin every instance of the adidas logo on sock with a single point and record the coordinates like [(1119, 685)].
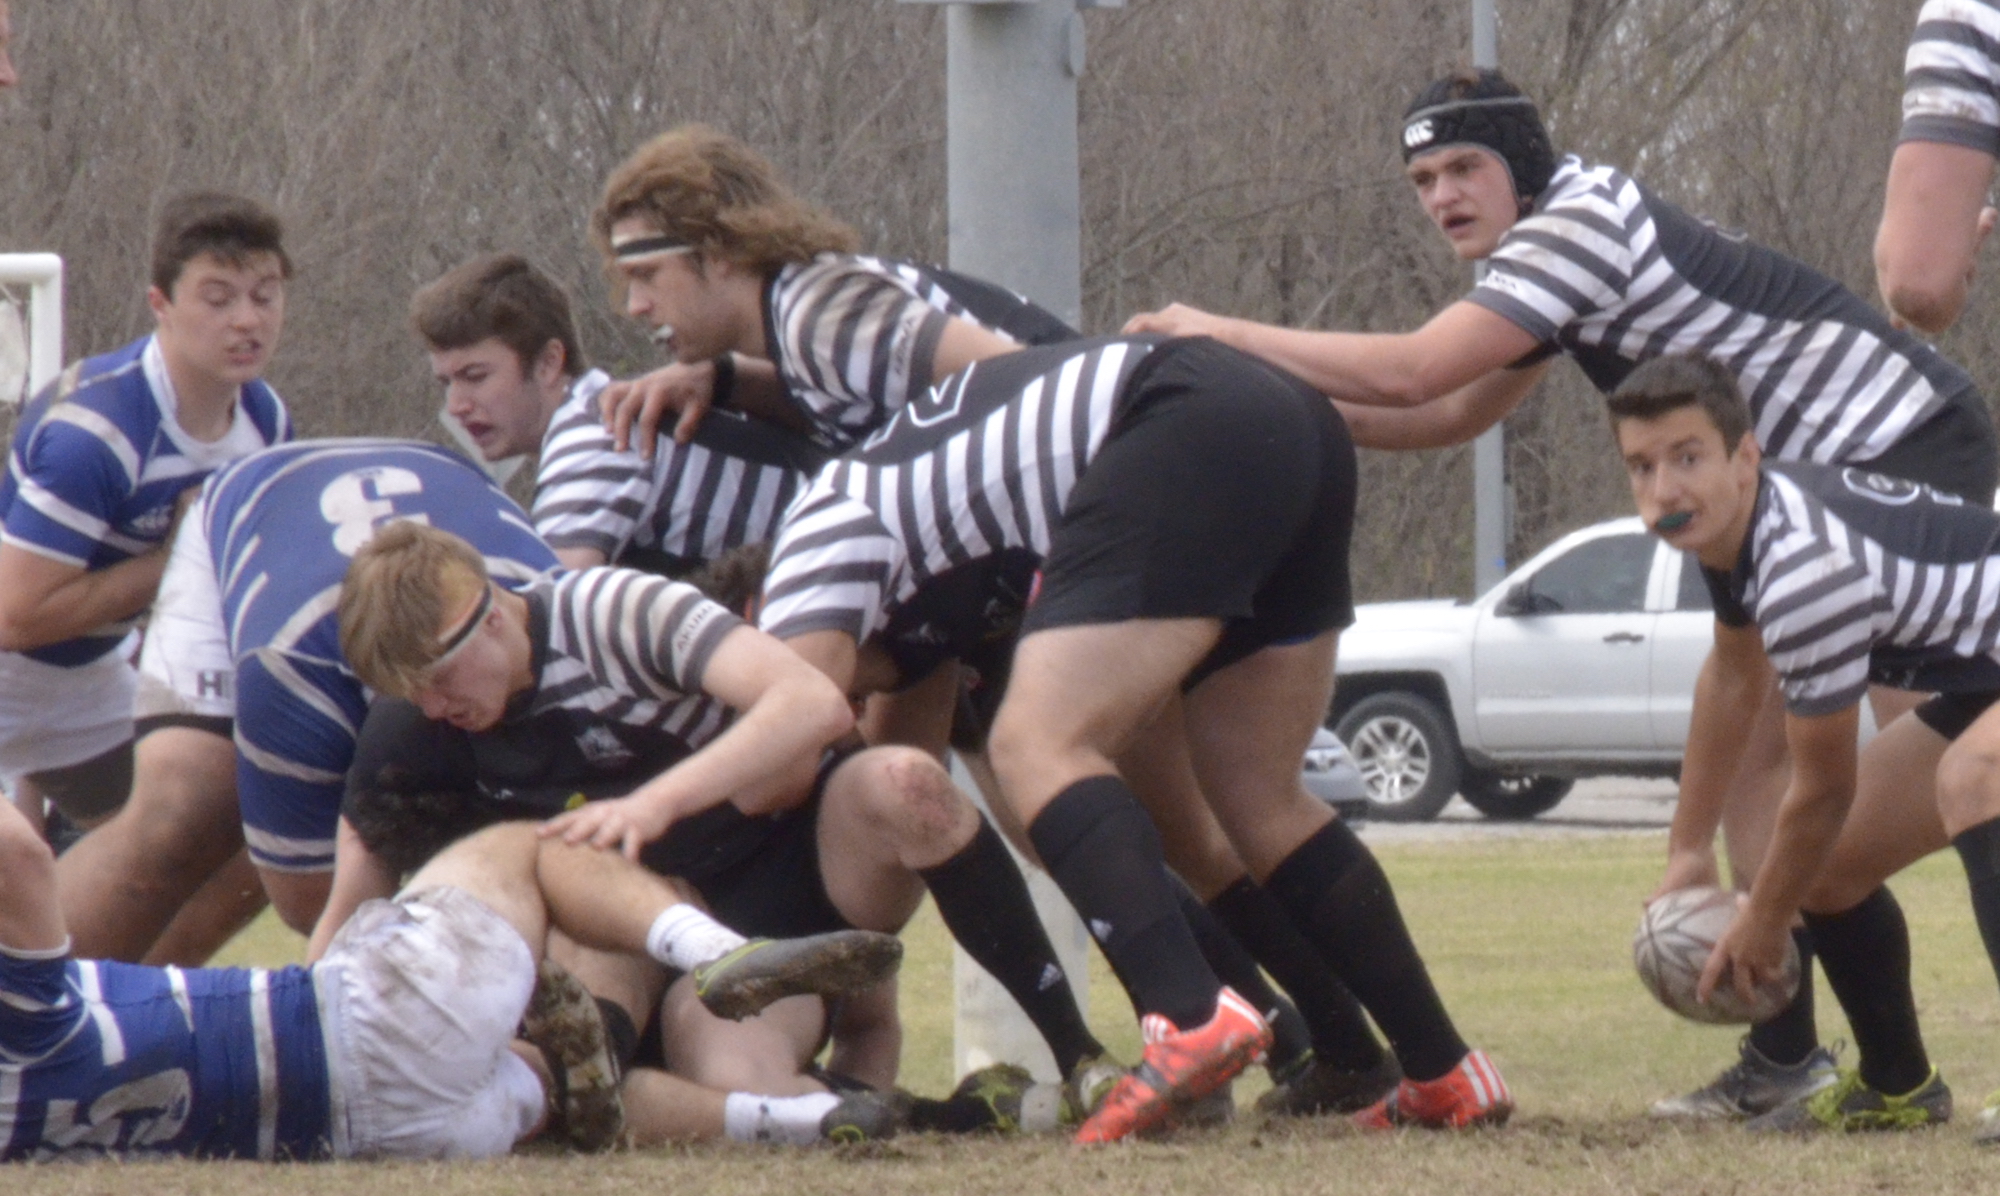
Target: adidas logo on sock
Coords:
[(1051, 976), (1100, 929)]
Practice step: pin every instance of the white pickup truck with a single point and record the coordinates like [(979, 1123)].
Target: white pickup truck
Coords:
[(1581, 663)]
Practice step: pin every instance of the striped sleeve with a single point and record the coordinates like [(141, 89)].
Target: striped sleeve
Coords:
[(856, 343), (587, 493), (834, 568), (73, 474), (1951, 76), (640, 633), (292, 757), (1815, 611), (1564, 263)]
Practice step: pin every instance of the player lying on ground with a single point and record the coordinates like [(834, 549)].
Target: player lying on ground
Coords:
[(100, 464), (243, 645), (502, 341), (1835, 578), (1191, 508), (713, 736), (1583, 260), (398, 1043)]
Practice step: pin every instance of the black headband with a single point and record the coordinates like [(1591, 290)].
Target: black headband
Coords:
[(1510, 126), (643, 246), (449, 644)]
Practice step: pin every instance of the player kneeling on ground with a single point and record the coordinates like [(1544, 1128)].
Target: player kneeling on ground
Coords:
[(1837, 578), (398, 1043)]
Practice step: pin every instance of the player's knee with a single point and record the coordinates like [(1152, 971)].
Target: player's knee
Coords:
[(1968, 785), (910, 796)]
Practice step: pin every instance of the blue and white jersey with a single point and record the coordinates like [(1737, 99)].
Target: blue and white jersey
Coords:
[(281, 528), (98, 462), (120, 1058), (1853, 578), (1951, 76), (1613, 275)]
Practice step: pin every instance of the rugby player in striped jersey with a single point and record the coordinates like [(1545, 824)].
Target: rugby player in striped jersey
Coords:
[(1937, 210), (1584, 260), (503, 343), (1189, 510), (1839, 577)]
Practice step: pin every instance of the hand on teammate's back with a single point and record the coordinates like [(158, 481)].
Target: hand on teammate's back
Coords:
[(1175, 319), (634, 408)]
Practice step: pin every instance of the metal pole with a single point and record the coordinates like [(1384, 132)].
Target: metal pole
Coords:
[(1491, 498), (1015, 219)]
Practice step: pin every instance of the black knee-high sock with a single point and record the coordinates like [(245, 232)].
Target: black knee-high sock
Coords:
[(1340, 897), (1866, 953), (1979, 848), (984, 902), (1105, 854), (1341, 1035), (1793, 1033), (1291, 1038)]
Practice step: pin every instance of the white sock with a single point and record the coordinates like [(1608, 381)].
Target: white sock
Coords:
[(788, 1120), (684, 938)]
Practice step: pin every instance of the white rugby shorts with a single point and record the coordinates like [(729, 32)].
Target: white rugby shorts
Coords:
[(185, 666), (419, 998), (53, 717)]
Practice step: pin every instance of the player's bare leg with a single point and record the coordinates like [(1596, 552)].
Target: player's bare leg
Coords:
[(30, 917), (229, 901), (123, 883)]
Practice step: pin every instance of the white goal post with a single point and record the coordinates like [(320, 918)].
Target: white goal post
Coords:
[(31, 323)]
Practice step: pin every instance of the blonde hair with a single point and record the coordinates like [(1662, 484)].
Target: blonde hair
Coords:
[(717, 194), (398, 591)]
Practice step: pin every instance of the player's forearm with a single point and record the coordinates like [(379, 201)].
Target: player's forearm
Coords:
[(32, 616), (358, 875), (1930, 235), (765, 761), (1808, 825), (1726, 700), (1363, 368)]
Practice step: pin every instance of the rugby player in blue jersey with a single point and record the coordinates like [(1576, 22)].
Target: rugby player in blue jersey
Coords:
[(242, 668), (100, 462), (397, 1043)]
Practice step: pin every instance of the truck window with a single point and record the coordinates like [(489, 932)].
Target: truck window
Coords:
[(1694, 593), (1604, 576)]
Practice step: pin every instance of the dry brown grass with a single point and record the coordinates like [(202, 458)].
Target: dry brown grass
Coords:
[(1528, 940)]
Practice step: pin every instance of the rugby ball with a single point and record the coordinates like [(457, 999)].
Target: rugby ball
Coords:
[(1676, 935)]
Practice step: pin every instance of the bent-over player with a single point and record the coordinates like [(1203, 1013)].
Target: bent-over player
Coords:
[(1836, 578), (1191, 508), (713, 733), (242, 660)]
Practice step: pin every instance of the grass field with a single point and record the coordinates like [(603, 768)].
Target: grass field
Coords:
[(1529, 941)]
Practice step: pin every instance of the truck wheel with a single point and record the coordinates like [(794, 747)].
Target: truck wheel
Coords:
[(1512, 799), (1407, 754)]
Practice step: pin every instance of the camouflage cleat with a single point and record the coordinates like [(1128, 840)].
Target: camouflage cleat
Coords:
[(1086, 1086), (865, 1116), (1849, 1105), (562, 1021), (1012, 1101), (1752, 1086), (1318, 1088), (744, 982)]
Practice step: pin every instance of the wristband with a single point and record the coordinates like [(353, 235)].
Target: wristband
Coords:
[(724, 388)]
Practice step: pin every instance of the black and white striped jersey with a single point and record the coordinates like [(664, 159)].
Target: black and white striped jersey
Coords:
[(693, 502), (1951, 76), (617, 649), (958, 491), (1614, 275), (853, 336), (1853, 577)]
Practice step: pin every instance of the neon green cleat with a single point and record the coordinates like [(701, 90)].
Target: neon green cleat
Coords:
[(1850, 1106)]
